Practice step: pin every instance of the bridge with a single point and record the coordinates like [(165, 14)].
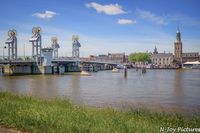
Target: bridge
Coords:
[(59, 65), (46, 60)]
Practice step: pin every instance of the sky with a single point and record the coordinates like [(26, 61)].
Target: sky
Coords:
[(103, 26)]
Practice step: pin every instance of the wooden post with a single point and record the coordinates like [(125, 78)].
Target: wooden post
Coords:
[(125, 72)]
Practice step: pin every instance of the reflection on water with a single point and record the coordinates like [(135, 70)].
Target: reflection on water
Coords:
[(75, 90), (178, 89)]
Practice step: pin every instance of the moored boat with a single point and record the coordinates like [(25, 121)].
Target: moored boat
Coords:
[(115, 70), (191, 65), (84, 73)]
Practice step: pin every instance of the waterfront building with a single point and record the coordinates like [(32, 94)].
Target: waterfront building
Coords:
[(117, 57), (190, 57), (103, 57), (113, 57), (92, 58), (99, 58), (126, 59), (162, 60), (178, 47)]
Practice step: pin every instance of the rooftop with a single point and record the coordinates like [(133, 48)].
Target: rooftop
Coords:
[(160, 55), (191, 54)]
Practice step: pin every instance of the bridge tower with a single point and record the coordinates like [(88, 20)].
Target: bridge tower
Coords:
[(55, 47), (36, 41), (12, 44), (75, 47)]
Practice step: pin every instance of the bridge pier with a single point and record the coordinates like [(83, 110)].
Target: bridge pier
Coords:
[(16, 69), (42, 70), (1, 69), (7, 70), (26, 69), (72, 67), (61, 69)]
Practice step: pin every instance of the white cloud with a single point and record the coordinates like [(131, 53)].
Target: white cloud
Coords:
[(111, 9), (46, 15), (126, 21), (151, 17)]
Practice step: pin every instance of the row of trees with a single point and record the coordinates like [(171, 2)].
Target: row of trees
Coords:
[(139, 57)]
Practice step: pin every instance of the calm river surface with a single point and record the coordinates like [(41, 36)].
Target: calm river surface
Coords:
[(169, 89)]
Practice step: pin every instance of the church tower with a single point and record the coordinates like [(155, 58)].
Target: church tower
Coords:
[(155, 51), (178, 47)]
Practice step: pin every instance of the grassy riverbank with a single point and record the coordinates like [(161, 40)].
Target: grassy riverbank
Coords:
[(38, 115)]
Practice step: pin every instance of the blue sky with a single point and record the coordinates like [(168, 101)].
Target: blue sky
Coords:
[(104, 25)]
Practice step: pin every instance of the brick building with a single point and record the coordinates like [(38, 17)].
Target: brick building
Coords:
[(190, 57)]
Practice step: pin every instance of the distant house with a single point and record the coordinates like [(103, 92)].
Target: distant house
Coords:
[(117, 57), (102, 57), (190, 57), (111, 57), (92, 58), (162, 60)]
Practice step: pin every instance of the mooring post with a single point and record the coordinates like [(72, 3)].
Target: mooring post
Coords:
[(125, 71)]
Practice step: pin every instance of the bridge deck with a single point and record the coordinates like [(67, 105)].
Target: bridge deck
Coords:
[(23, 62), (19, 62)]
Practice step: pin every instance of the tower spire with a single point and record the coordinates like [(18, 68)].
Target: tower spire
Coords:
[(178, 29), (178, 35), (178, 46), (155, 50)]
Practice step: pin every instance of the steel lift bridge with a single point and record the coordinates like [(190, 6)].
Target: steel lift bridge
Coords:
[(75, 48), (12, 44), (55, 47), (36, 40)]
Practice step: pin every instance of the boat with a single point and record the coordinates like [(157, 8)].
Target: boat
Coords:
[(191, 65), (84, 73), (115, 70), (120, 66)]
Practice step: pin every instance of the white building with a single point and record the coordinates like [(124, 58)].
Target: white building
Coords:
[(162, 60)]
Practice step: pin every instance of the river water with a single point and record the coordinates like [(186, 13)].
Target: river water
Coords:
[(167, 89)]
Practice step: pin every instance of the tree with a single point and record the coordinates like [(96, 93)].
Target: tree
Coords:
[(139, 57)]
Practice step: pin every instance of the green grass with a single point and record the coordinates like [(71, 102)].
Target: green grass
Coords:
[(30, 114)]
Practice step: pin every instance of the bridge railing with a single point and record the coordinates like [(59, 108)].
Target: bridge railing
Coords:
[(86, 60), (29, 58), (102, 61), (5, 58)]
